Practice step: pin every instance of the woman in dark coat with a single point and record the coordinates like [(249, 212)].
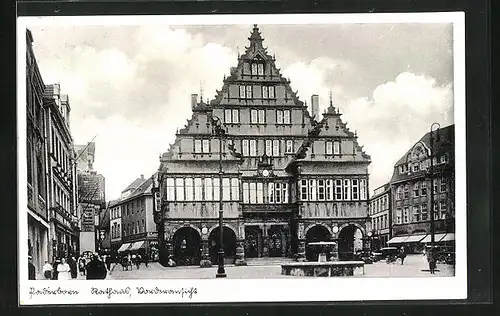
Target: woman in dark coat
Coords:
[(73, 267), (431, 259)]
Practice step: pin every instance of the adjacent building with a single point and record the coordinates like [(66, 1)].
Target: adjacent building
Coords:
[(61, 174), (413, 183), (380, 214), (131, 220), (286, 176), (36, 158)]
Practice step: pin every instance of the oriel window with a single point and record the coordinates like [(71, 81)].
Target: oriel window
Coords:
[(303, 189), (347, 189), (321, 190), (338, 190), (355, 188), (289, 146)]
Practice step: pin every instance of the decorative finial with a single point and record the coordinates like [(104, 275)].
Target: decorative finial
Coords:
[(201, 91), (331, 97)]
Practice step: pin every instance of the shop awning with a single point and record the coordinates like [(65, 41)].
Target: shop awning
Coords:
[(398, 239), (437, 238), (449, 237), (415, 238), (137, 245), (124, 247)]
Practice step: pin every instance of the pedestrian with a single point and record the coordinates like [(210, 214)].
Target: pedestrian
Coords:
[(108, 262), (47, 270), (54, 268), (31, 269), (73, 267), (431, 259), (96, 270), (171, 262), (81, 265), (402, 254), (138, 260), (63, 270), (146, 259)]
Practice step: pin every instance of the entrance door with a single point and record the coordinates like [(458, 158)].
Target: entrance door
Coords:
[(253, 237), (275, 242)]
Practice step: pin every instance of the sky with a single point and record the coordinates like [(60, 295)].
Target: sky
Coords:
[(131, 85)]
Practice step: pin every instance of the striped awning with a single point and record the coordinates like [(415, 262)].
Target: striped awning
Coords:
[(437, 238), (124, 247), (415, 238), (449, 237), (398, 239), (137, 245)]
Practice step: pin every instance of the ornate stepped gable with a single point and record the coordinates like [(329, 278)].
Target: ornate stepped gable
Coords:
[(330, 126)]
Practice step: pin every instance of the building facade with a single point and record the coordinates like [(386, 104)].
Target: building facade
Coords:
[(380, 214), (61, 174), (286, 177), (36, 157), (411, 186), (91, 198), (134, 214), (115, 225)]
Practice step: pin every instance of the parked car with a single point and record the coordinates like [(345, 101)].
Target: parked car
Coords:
[(364, 256), (390, 254)]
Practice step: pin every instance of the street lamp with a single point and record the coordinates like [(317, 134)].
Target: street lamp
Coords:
[(219, 131), (370, 239), (431, 173)]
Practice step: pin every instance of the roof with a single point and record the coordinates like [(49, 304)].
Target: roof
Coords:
[(444, 144), (134, 185)]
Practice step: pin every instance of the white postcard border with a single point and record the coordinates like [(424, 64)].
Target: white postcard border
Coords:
[(245, 290)]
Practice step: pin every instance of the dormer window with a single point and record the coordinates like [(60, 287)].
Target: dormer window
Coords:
[(257, 68)]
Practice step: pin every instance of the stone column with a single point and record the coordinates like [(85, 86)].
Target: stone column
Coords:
[(301, 256), (265, 250), (240, 253), (205, 254)]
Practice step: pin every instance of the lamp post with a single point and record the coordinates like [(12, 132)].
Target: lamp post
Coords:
[(370, 234), (219, 131), (431, 173)]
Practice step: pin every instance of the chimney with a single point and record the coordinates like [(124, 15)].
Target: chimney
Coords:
[(315, 106), (142, 177), (194, 100)]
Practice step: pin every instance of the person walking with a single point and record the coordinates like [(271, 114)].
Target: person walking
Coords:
[(73, 267), (31, 269), (146, 259), (96, 270), (63, 270), (107, 260), (81, 265), (402, 254), (431, 259), (47, 270)]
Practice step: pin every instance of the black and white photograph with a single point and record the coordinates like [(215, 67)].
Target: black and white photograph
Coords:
[(239, 157)]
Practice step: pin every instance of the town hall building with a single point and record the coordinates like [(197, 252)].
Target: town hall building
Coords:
[(285, 176)]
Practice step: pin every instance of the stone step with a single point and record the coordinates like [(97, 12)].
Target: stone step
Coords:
[(267, 261)]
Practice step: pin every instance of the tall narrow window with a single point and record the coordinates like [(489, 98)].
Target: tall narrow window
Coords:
[(271, 92), (179, 186), (246, 193), (443, 185), (228, 116), (347, 189), (254, 116), (303, 190), (363, 189), (276, 148), (329, 189), (249, 92), (406, 215), (269, 147), (286, 117), (289, 146), (312, 190), (423, 212), (245, 147), (279, 117), (336, 147), (236, 116), (206, 145), (398, 216), (253, 193), (260, 68), (321, 190), (216, 188), (226, 189), (208, 189), (329, 147), (265, 92), (355, 188), (235, 189), (197, 145), (423, 188), (262, 116), (253, 147), (189, 189), (338, 190), (277, 190), (254, 69), (242, 92), (270, 192), (284, 188), (30, 160), (260, 192), (198, 189)]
